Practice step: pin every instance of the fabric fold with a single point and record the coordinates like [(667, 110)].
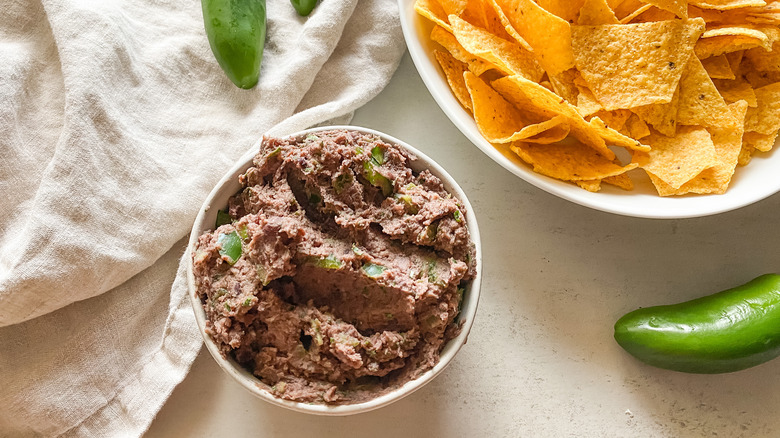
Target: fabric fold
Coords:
[(118, 124)]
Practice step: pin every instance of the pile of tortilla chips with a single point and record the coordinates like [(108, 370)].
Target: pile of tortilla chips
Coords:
[(684, 90)]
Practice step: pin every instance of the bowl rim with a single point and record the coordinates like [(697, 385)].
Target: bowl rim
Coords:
[(652, 207), (205, 219)]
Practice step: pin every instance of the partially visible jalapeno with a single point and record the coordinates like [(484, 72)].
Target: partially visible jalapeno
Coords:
[(304, 7), (236, 32), (728, 331), (230, 247)]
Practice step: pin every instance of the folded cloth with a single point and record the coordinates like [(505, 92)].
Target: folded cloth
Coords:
[(115, 123)]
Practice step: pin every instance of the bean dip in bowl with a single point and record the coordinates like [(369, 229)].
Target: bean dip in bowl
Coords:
[(335, 271)]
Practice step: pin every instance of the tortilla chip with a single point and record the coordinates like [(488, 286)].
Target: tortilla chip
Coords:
[(595, 13), (636, 64), (718, 45), (432, 10), (677, 7), (662, 117), (636, 127), (481, 14), (586, 102), (700, 102), (564, 86), (724, 5), (763, 60), (630, 17), (566, 9), (592, 185), (735, 58), (653, 14), (508, 26), (760, 142), (614, 138), (736, 90), (728, 144), (453, 70), (570, 161), (718, 67), (765, 117), (535, 99), (477, 65), (508, 57), (501, 122), (497, 120), (548, 34), (623, 181), (614, 119), (679, 159)]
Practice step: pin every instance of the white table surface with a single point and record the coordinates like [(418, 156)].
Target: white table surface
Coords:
[(540, 360)]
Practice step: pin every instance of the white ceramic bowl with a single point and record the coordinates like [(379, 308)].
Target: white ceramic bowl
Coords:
[(756, 181), (218, 199)]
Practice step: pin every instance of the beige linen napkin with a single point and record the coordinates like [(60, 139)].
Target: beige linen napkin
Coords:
[(115, 123)]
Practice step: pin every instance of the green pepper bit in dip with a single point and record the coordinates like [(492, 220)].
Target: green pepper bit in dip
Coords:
[(230, 247)]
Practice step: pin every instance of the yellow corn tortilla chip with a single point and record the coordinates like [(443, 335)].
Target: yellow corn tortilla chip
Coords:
[(615, 138), (653, 14), (718, 45), (630, 17), (763, 60), (511, 31), (700, 102), (453, 70), (662, 117), (623, 181), (571, 161), (595, 13), (636, 127), (677, 7), (631, 65), (736, 90), (480, 14), (592, 185), (724, 5), (563, 85), (678, 159), (745, 154), (758, 79), (455, 7), (548, 34), (728, 144), (718, 67), (735, 58), (508, 57), (587, 103), (432, 10), (614, 119), (447, 40), (565, 9), (761, 142), (765, 117), (501, 122), (551, 131), (535, 99)]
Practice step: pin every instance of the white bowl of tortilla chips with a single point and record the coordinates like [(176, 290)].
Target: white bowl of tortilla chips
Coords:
[(655, 108)]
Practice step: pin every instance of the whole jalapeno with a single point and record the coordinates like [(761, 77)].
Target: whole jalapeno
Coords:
[(304, 7), (236, 33), (728, 331)]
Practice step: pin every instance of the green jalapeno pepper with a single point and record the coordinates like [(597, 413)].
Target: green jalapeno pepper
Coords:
[(729, 331), (304, 7), (236, 32), (230, 247)]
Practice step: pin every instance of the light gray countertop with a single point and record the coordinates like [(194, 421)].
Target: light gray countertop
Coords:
[(540, 360)]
